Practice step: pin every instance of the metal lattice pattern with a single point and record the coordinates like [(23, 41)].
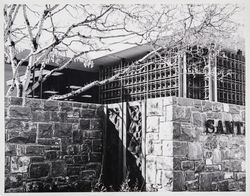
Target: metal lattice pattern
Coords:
[(134, 134), (169, 75)]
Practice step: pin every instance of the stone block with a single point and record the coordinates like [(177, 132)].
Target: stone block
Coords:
[(197, 105), (95, 124), (51, 106), (68, 159), (216, 157), (51, 154), (214, 115), (74, 149), (45, 130), (187, 165), (93, 166), (40, 116), (187, 133), (243, 115), (179, 181), (165, 163), (87, 113), (192, 185), (181, 114), (152, 136), (48, 141), (95, 157), (217, 176), (223, 185), (93, 134), (153, 124), (199, 166), (58, 168), (13, 181), (80, 159), (20, 112), (84, 124), (74, 114), (35, 159), (207, 106), (86, 146), (34, 104), (65, 106), (217, 107), (151, 170), (88, 174), (169, 112), (73, 170), (205, 181), (214, 186), (169, 101), (15, 101), (155, 107), (180, 149), (195, 150), (211, 168), (184, 101), (11, 149), (15, 190), (177, 162), (6, 102), (97, 145), (63, 130), (233, 186), (228, 175), (167, 180), (197, 120), (13, 124), (239, 175), (77, 136), (156, 148), (34, 150), (100, 112), (234, 109), (38, 170), (19, 164), (158, 177), (77, 105), (167, 148), (189, 175), (226, 117), (54, 116), (232, 165), (167, 129)]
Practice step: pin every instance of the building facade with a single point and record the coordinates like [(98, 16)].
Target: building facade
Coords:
[(198, 73)]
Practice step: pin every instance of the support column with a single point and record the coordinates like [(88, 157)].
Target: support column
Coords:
[(184, 75)]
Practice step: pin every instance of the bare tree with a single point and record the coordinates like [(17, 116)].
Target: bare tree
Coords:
[(94, 28)]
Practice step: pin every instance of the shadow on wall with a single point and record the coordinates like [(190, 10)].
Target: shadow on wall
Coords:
[(113, 168)]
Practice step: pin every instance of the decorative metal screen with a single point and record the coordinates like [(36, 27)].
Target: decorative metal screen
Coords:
[(171, 75)]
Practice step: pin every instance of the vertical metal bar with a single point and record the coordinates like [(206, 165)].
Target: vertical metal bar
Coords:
[(41, 90), (33, 81), (124, 138), (144, 125), (184, 75), (210, 95), (215, 80)]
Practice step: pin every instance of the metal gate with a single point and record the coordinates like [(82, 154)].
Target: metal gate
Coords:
[(124, 145)]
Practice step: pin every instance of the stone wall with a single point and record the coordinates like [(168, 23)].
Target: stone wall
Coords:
[(183, 155), (51, 145)]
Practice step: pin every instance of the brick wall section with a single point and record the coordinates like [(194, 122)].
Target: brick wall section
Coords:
[(181, 156), (52, 145)]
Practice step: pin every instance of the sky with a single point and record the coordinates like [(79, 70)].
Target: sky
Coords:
[(66, 18)]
